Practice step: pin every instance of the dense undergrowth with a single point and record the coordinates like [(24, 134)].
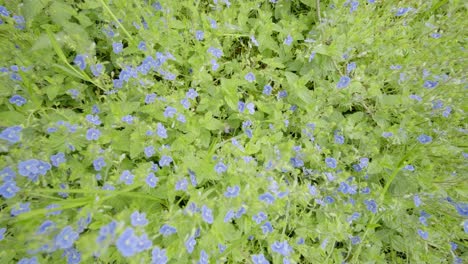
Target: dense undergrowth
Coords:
[(233, 131)]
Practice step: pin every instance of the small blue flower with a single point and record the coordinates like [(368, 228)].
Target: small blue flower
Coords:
[(99, 163), (436, 35), (138, 219), (259, 218), (17, 100), (213, 23), (387, 134), (149, 151), (339, 139), (282, 94), (241, 106), (20, 209), (251, 108), (254, 41), (430, 84), (296, 162), (416, 97), (424, 235), (128, 119), (353, 217), (150, 98), (371, 205), (221, 248), (32, 260), (4, 11), (127, 243), (117, 47), (170, 111), (250, 77), (267, 228), (424, 139), (165, 161), (215, 52), (190, 244), (417, 200), (267, 89), (259, 259), (142, 46), (465, 226), (350, 67), (80, 61), (354, 6), (232, 192), (158, 256), (312, 190), (20, 22), (161, 131), (462, 209), (127, 177), (355, 240), (66, 238), (185, 103), (97, 69), (9, 189), (282, 248), (409, 167), (207, 214), (45, 227), (11, 134), (191, 94), (312, 56), (167, 230), (220, 167), (229, 216), (181, 185), (365, 190), (2, 233), (403, 10), (93, 134), (288, 40), (93, 119), (73, 256), (7, 174), (152, 180), (331, 162), (57, 159), (240, 212), (199, 35), (344, 82), (267, 198), (204, 258)]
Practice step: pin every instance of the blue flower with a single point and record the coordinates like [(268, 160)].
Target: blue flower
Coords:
[(127, 243), (312, 190), (66, 238), (312, 56), (20, 208), (350, 67), (403, 10), (117, 47), (185, 103), (93, 119), (138, 219), (282, 248), (288, 40), (28, 168), (190, 244), (371, 205), (2, 233), (128, 119), (251, 108), (204, 258), (99, 163), (149, 151), (199, 35), (152, 180), (416, 200), (215, 52), (73, 256), (240, 212), (365, 190), (416, 97), (296, 162), (250, 77), (143, 243), (424, 235), (213, 23), (465, 226), (331, 162), (424, 139), (4, 11), (165, 161), (51, 207), (436, 35), (93, 134), (353, 217), (267, 198), (339, 139), (241, 106), (462, 209), (254, 41), (45, 227), (32, 260), (80, 62), (19, 21), (142, 46), (9, 189), (259, 218), (207, 214), (409, 167), (232, 192), (181, 185), (344, 82), (158, 256), (181, 118), (229, 216), (97, 69), (220, 167), (127, 177), (17, 100), (191, 94), (259, 259), (170, 111), (267, 89), (355, 240), (161, 131), (11, 134), (167, 230), (57, 159), (430, 84), (150, 98), (354, 6), (387, 134), (267, 228)]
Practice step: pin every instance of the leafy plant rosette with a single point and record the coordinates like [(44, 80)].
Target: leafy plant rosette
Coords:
[(233, 132)]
